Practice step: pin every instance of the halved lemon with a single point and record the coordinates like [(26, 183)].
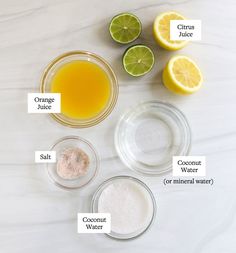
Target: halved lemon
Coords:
[(161, 30), (182, 75)]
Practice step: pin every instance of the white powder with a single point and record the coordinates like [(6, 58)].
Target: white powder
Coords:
[(129, 204)]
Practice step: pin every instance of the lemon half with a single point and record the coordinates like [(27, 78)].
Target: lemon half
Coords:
[(182, 75), (161, 30)]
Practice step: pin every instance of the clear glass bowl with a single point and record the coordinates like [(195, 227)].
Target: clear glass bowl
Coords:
[(71, 142), (52, 68), (148, 193), (149, 135)]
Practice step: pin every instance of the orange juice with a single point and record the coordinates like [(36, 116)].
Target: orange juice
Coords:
[(85, 89)]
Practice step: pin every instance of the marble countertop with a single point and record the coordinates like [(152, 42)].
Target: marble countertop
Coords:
[(36, 216)]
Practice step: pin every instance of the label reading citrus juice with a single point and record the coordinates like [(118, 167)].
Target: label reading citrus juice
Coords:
[(185, 29)]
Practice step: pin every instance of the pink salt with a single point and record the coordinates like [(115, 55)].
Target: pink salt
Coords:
[(72, 163)]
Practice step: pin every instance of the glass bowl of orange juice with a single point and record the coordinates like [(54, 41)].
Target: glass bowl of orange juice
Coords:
[(88, 88)]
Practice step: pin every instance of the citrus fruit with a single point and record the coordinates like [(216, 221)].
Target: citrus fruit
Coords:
[(161, 30), (125, 28), (182, 75), (138, 60)]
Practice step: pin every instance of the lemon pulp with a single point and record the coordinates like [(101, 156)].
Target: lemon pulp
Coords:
[(182, 75)]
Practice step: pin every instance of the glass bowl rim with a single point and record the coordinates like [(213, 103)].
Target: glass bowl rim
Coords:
[(98, 192), (129, 112), (78, 138), (114, 83)]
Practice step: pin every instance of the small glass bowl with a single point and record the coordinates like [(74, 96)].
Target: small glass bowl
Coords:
[(149, 135), (52, 68), (104, 185), (71, 142)]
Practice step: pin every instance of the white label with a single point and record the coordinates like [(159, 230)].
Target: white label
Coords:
[(185, 29), (189, 166), (44, 102), (94, 223), (45, 156)]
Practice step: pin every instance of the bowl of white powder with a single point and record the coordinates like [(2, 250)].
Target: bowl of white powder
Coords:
[(131, 204), (76, 164)]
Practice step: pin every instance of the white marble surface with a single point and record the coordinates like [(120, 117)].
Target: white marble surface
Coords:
[(35, 216)]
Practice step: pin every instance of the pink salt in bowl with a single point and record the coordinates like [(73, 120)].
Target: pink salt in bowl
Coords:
[(77, 163)]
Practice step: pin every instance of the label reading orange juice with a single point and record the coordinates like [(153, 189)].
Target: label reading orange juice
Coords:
[(44, 103)]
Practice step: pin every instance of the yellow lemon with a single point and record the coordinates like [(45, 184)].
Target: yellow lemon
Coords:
[(182, 75), (161, 30)]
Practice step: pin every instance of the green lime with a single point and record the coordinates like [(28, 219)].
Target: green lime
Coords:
[(125, 28), (138, 60)]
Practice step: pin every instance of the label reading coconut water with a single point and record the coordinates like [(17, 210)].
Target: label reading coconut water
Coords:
[(193, 166), (94, 223)]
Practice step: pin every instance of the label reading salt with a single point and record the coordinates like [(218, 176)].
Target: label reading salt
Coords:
[(94, 223), (185, 29), (45, 156), (44, 102), (189, 166)]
